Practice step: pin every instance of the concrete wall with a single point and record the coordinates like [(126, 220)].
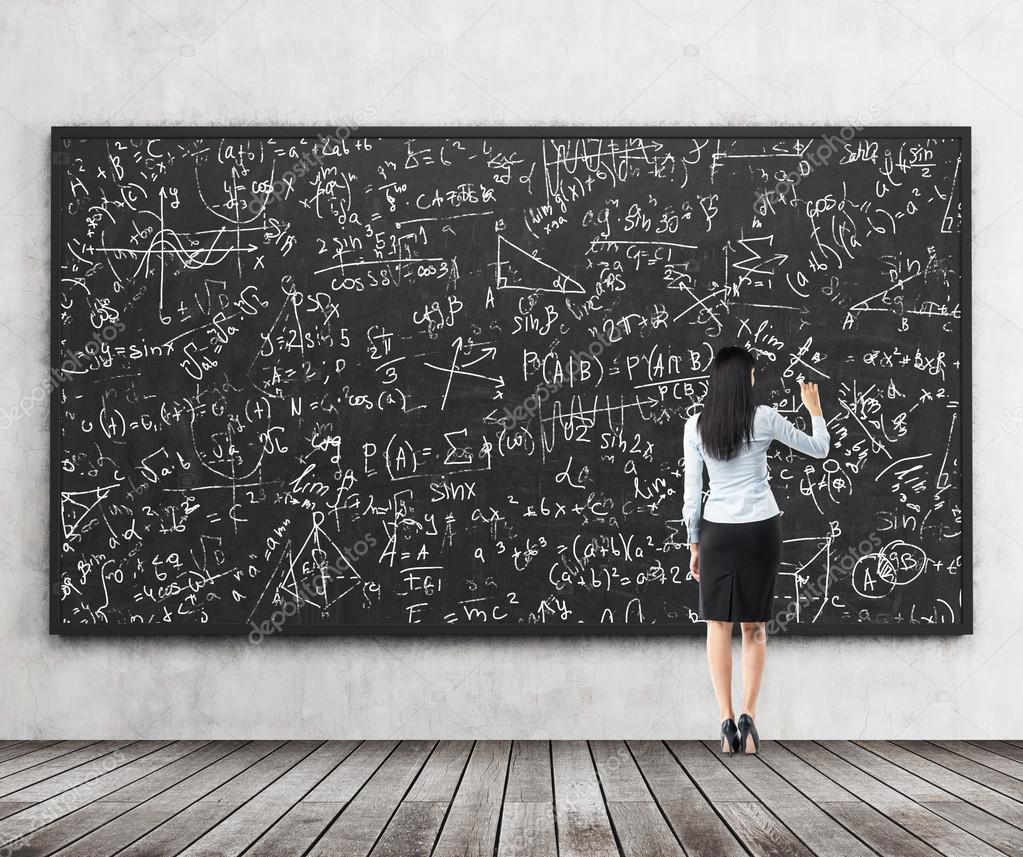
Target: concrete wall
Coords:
[(508, 62)]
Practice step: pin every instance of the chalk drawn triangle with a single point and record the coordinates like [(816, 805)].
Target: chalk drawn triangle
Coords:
[(278, 373), (316, 574), (518, 269), (74, 512), (810, 569)]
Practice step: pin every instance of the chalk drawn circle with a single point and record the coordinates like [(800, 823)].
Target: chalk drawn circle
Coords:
[(873, 576), (898, 563), (908, 560)]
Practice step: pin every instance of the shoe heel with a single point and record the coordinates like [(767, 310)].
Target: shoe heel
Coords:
[(729, 737), (748, 729)]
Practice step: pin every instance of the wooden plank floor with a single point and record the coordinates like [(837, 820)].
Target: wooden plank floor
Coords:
[(510, 798)]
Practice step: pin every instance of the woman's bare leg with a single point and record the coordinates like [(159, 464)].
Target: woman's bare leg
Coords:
[(754, 652), (719, 658)]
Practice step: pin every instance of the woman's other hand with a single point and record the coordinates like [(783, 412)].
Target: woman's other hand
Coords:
[(694, 561)]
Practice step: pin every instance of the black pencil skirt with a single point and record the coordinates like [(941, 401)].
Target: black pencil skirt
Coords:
[(738, 569)]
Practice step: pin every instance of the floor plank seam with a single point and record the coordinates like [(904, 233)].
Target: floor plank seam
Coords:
[(859, 800), (921, 804), (603, 795), (721, 816), (451, 801), (848, 798), (952, 795)]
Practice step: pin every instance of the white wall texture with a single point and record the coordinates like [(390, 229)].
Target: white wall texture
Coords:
[(643, 62)]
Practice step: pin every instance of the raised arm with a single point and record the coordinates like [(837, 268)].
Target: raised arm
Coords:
[(693, 499), (816, 445)]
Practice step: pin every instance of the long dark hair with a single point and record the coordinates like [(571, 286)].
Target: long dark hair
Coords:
[(726, 423)]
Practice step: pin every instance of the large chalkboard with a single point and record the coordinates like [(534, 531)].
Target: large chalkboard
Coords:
[(408, 380)]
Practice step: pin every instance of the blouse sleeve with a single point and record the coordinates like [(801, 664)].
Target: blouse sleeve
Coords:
[(693, 499), (817, 445)]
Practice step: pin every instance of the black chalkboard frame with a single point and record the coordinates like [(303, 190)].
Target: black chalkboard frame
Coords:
[(59, 133)]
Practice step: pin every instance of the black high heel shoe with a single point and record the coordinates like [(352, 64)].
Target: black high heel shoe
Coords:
[(729, 736), (747, 730)]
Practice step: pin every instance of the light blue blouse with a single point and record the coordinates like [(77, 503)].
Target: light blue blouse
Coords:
[(739, 488)]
